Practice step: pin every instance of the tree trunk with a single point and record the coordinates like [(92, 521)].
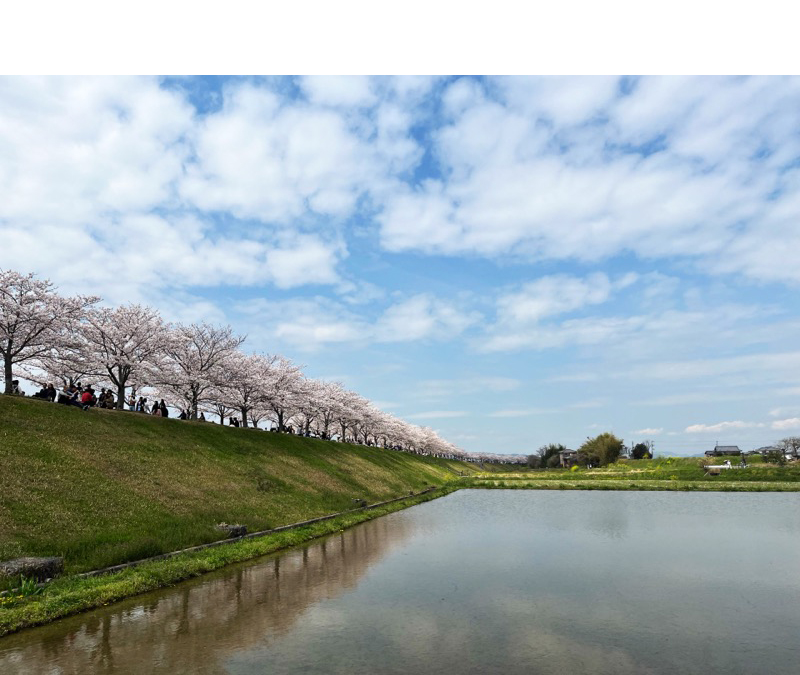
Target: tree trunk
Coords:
[(244, 417), (7, 373)]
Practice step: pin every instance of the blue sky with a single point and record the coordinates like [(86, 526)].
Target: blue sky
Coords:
[(512, 261)]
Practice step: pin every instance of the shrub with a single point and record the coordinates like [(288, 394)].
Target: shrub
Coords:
[(600, 450)]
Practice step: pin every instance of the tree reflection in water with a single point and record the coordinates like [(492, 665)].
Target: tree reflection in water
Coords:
[(196, 625)]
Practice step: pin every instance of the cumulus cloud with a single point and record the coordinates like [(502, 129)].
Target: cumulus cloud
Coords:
[(520, 313), (649, 431), (263, 157), (552, 295), (722, 426), (312, 323), (338, 90), (565, 168), (123, 180)]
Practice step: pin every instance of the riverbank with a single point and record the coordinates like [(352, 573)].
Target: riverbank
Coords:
[(507, 483), (71, 595), (104, 487), (663, 473)]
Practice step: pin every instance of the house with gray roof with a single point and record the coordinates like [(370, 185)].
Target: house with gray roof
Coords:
[(723, 450)]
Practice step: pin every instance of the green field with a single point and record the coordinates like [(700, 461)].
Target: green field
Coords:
[(667, 473)]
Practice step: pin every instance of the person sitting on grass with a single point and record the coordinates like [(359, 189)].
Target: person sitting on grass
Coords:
[(109, 400), (72, 396), (43, 393), (87, 398)]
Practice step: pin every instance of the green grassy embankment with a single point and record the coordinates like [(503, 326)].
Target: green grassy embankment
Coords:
[(103, 487), (70, 595)]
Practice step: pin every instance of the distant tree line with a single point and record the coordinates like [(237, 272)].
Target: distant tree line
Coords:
[(601, 450)]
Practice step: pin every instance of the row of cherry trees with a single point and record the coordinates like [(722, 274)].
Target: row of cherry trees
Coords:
[(196, 367)]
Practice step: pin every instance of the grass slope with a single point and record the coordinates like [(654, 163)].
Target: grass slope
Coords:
[(103, 487)]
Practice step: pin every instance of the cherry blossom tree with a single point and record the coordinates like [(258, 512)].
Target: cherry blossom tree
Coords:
[(33, 319), (64, 362), (123, 345), (311, 404), (216, 404), (282, 390), (348, 412), (245, 386), (328, 397), (195, 362), (199, 365)]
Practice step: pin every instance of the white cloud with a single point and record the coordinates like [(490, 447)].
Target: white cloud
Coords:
[(649, 431), (522, 412), (784, 410), (75, 149), (95, 168), (436, 414), (422, 316), (520, 313), (261, 157), (769, 367), (303, 323), (307, 260), (791, 423), (558, 168), (338, 90), (564, 101), (722, 426), (430, 389), (552, 295), (312, 323)]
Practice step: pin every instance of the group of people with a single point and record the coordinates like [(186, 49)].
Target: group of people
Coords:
[(75, 394), (158, 408), (85, 397)]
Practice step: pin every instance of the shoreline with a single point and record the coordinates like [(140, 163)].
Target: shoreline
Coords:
[(69, 595), (77, 593)]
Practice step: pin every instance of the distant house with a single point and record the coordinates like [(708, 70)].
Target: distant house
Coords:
[(568, 458), (764, 450), (722, 450)]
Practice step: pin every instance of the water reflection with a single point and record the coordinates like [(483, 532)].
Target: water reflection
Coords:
[(512, 582), (191, 628)]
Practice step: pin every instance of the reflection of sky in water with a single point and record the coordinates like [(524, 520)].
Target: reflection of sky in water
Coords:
[(479, 581)]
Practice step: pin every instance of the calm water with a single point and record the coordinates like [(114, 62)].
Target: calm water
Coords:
[(481, 581)]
